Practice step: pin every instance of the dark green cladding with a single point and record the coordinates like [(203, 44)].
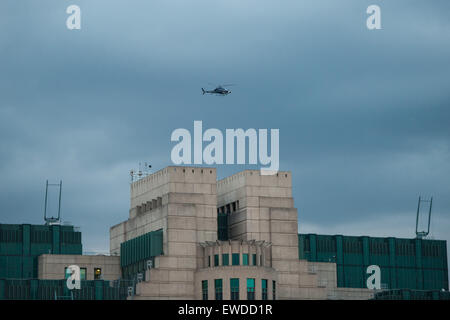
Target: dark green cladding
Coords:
[(56, 289), (407, 294), (405, 263), (21, 244), (136, 252)]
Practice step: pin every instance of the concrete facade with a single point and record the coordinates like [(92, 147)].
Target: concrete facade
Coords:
[(53, 266), (262, 229)]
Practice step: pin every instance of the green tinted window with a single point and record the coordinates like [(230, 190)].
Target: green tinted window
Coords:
[(225, 259), (234, 288), (245, 259), (250, 289), (235, 258), (216, 260), (264, 289), (218, 289), (205, 289), (274, 290)]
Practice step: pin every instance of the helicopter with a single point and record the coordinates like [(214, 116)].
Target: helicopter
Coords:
[(219, 90)]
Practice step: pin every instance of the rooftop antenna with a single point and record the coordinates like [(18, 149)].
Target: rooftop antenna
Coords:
[(52, 220), (423, 234), (141, 173)]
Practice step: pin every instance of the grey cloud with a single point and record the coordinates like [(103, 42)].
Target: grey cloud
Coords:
[(363, 116)]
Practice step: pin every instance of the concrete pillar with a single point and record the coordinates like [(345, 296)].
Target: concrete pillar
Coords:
[(258, 254), (205, 257), (240, 254)]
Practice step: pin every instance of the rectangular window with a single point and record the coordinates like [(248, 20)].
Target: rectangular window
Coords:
[(274, 290), (235, 258), (216, 260), (218, 288), (205, 289), (82, 273), (250, 289), (209, 261), (234, 288), (263, 289), (97, 273), (225, 259), (245, 259), (254, 259)]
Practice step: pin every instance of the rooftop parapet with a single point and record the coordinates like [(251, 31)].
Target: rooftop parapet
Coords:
[(175, 179)]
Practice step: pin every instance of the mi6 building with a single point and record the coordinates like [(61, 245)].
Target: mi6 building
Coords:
[(189, 236)]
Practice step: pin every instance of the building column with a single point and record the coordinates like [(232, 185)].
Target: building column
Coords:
[(240, 253), (220, 254)]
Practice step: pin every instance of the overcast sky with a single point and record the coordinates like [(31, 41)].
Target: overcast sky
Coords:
[(364, 116)]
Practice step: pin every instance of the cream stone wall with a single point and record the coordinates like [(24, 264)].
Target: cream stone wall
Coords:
[(52, 266), (266, 212), (242, 273), (184, 201), (209, 249)]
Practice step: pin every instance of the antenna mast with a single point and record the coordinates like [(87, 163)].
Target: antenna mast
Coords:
[(142, 173), (423, 234), (52, 220)]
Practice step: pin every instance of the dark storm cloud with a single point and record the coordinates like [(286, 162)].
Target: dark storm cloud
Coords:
[(363, 115)]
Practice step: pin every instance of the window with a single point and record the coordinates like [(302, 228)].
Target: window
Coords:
[(82, 273), (225, 259), (209, 261), (263, 289), (97, 274), (205, 289), (245, 259), (254, 259), (218, 289), (234, 288), (274, 290), (250, 289), (261, 260), (235, 258), (216, 260)]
